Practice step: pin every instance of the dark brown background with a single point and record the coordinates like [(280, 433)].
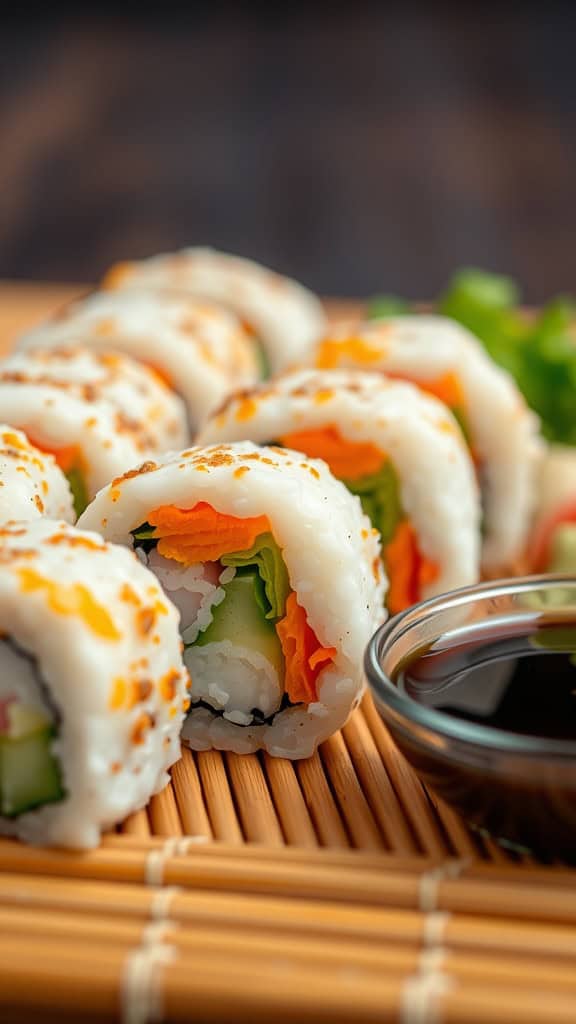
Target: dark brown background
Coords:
[(376, 147)]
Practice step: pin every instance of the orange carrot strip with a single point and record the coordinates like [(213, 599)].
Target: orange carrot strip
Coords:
[(447, 388), (201, 534), (66, 458), (303, 654), (408, 570), (348, 460)]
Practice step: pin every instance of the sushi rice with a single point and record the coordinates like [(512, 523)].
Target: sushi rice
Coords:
[(200, 350), (285, 318), (32, 485), (388, 423), (325, 550), (443, 358), (93, 690), (93, 412)]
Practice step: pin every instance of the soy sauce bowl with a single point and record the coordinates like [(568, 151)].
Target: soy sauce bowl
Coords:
[(521, 789)]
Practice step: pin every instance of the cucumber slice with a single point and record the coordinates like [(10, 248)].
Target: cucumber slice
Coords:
[(241, 619), (24, 720), (77, 485), (29, 773)]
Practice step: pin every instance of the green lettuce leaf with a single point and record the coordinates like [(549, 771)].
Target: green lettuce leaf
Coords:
[(387, 305), (266, 557), (379, 494)]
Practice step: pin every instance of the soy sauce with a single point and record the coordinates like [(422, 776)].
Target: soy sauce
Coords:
[(520, 683)]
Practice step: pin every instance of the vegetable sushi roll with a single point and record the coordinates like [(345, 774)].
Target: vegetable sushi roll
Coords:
[(31, 483), (444, 359), (285, 319), (277, 575), (552, 546), (200, 350), (400, 450), (92, 437), (92, 685)]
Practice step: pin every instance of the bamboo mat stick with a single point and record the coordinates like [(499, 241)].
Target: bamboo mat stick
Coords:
[(394, 882), (410, 792), (329, 951), (163, 813), (207, 865), (320, 803), (289, 802), (265, 993), (136, 824), (504, 871), (189, 799), (458, 834), (296, 918), (253, 800), (376, 785), (351, 799), (200, 952), (219, 802)]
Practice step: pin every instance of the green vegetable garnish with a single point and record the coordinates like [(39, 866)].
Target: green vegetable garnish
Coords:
[(379, 494), (387, 305), (266, 557), (262, 360), (77, 485)]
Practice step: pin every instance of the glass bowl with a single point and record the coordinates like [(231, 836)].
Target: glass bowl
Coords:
[(520, 789)]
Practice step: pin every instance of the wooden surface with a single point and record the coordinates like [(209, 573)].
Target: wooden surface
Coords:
[(378, 146)]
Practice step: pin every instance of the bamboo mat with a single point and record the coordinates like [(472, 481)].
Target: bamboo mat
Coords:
[(257, 889)]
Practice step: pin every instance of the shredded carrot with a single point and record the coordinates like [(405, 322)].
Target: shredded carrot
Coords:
[(67, 457), (303, 654), (201, 534), (408, 569), (447, 388), (348, 460)]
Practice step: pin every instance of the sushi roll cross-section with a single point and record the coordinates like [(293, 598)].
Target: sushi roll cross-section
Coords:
[(32, 485), (277, 575), (445, 360), (283, 317), (93, 690), (199, 349), (97, 413), (398, 449)]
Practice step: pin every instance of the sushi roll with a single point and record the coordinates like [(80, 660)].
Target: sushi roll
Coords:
[(31, 483), (97, 413), (276, 573), (201, 351), (444, 359), (93, 690), (400, 450), (552, 546), (284, 318)]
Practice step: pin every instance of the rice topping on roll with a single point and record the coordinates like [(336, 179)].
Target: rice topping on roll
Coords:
[(277, 575), (444, 359), (399, 449), (285, 318), (91, 433), (200, 350), (31, 483), (139, 395), (93, 690)]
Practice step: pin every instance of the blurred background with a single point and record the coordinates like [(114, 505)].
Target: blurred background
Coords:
[(374, 147)]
